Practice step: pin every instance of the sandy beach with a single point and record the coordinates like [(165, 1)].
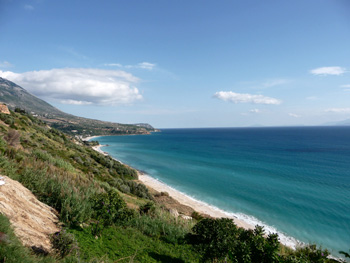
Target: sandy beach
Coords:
[(184, 199), (90, 138), (98, 149), (202, 207)]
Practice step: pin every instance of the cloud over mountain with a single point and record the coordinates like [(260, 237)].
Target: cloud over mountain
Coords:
[(79, 86), (245, 98)]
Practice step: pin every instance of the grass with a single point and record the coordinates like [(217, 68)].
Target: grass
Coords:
[(123, 244)]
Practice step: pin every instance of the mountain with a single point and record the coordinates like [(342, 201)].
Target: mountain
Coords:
[(15, 96)]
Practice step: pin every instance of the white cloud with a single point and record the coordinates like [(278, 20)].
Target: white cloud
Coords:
[(345, 86), (142, 65), (79, 85), (339, 110), (328, 71), (75, 102), (5, 64), (245, 98), (255, 111), (146, 65), (113, 65), (294, 115)]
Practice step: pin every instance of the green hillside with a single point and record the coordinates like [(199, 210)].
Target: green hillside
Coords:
[(107, 216), (15, 96)]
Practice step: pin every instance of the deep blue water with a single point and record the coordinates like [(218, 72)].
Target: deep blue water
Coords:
[(295, 179)]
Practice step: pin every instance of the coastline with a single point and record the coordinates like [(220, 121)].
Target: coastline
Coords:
[(184, 199), (240, 220), (97, 148), (196, 205), (90, 137)]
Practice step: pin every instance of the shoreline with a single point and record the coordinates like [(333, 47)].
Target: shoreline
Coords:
[(241, 220), (97, 148), (197, 205), (90, 137), (182, 198)]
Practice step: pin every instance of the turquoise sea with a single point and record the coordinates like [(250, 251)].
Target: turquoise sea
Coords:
[(293, 180)]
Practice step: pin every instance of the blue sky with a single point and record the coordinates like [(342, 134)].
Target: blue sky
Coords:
[(183, 63)]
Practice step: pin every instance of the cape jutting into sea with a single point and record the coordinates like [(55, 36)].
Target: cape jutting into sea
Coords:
[(293, 180)]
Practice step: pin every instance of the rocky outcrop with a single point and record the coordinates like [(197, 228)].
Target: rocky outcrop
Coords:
[(4, 109), (32, 220)]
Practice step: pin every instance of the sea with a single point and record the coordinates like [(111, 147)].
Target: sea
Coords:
[(294, 181)]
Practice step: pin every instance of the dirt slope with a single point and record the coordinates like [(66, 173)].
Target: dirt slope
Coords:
[(32, 220)]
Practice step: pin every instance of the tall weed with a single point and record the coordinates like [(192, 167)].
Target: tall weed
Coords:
[(72, 203)]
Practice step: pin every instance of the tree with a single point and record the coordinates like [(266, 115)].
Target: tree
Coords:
[(253, 246), (214, 238), (107, 208)]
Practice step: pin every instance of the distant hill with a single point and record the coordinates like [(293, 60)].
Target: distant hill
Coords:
[(15, 96)]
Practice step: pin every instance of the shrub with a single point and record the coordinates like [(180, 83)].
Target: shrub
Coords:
[(8, 119), (214, 237), (310, 253), (253, 246), (197, 216), (13, 137), (64, 243), (107, 209), (148, 208)]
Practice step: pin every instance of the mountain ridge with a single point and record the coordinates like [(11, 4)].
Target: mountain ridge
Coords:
[(15, 96)]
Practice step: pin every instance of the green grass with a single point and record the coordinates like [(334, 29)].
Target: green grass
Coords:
[(116, 243)]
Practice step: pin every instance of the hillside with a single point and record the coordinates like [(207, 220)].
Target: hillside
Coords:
[(107, 216), (17, 97)]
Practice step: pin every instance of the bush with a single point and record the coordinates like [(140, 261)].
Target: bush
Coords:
[(108, 209), (253, 246), (148, 208), (64, 243), (309, 253), (13, 137), (214, 238)]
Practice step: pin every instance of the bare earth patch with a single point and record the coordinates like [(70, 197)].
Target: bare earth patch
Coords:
[(32, 220)]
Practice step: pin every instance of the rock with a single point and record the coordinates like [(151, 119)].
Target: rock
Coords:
[(4, 109), (174, 212), (33, 221), (186, 217)]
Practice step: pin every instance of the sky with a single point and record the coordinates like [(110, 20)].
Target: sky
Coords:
[(183, 63)]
